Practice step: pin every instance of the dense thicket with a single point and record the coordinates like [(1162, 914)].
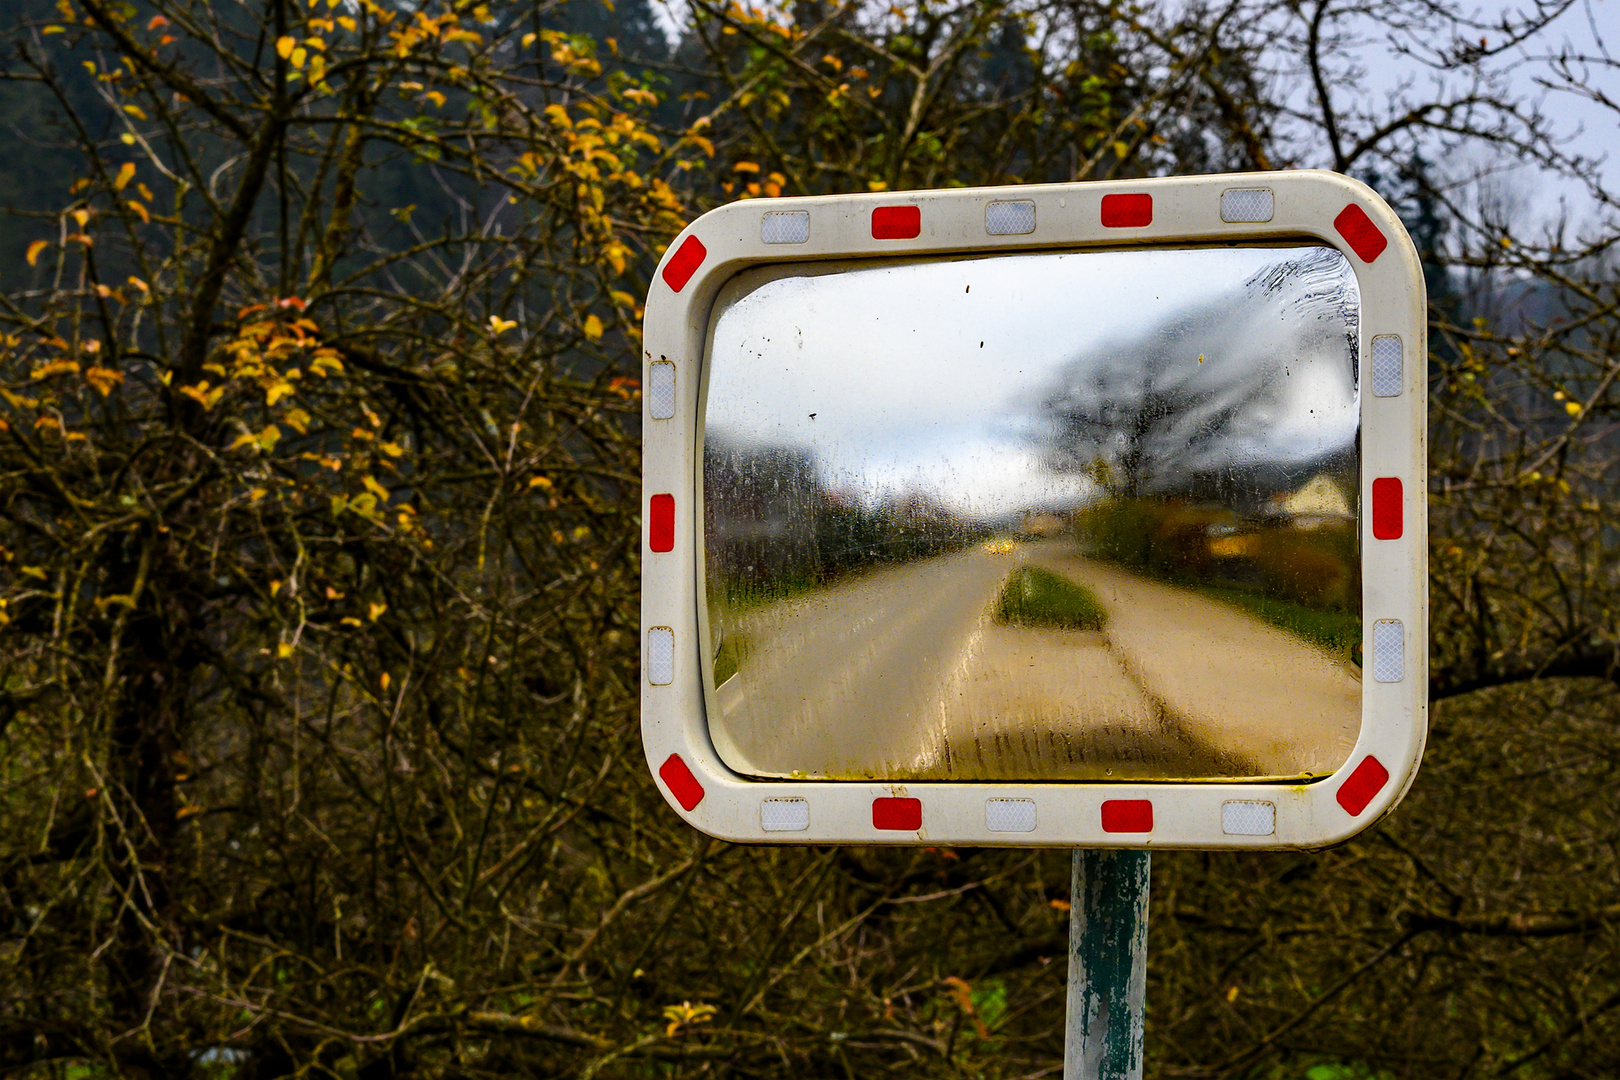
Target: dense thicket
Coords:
[(319, 539)]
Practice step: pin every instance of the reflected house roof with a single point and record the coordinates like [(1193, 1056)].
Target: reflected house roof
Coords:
[(1320, 498)]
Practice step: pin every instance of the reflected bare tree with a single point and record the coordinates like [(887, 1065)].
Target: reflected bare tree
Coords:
[(1197, 393)]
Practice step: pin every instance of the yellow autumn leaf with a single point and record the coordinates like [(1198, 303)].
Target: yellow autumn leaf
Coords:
[(436, 97), (135, 111), (284, 650), (1573, 408), (350, 620), (103, 379), (745, 167), (500, 325), (297, 419), (384, 679), (248, 439), (285, 46), (80, 216), (540, 482), (34, 249), (686, 1014), (593, 328), (56, 367), (376, 610), (280, 390), (202, 395), (139, 284), (140, 212), (392, 449), (126, 173), (375, 488)]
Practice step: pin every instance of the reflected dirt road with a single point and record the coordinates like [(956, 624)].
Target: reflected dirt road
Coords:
[(904, 673)]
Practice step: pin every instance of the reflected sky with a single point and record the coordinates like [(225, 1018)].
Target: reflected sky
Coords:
[(997, 385)]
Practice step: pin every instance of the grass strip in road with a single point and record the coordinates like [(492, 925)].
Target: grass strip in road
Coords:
[(1036, 597), (1339, 632)]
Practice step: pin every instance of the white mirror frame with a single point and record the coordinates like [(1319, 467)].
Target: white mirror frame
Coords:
[(1168, 212)]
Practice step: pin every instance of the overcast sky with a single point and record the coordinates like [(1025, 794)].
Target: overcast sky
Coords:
[(1588, 27)]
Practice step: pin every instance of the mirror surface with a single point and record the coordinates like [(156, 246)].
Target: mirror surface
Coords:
[(1061, 516)]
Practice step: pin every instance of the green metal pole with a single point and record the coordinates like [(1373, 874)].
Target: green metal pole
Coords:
[(1107, 992)]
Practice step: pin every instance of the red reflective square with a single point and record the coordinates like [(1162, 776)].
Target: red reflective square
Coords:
[(904, 815), (1127, 815), (896, 222), (1388, 508), (1360, 786), (1127, 211), (681, 783), (1358, 230), (680, 268), (661, 523)]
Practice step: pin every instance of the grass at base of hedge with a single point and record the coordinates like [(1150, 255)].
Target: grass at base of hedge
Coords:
[(1339, 632), (1035, 597)]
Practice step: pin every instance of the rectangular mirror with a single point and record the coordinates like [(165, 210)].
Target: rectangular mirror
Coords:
[(1037, 517)]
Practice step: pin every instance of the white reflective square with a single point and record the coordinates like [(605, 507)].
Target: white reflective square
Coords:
[(784, 815), (1009, 218), (1247, 204), (661, 390), (1240, 818), (1009, 815), (1387, 369), (1389, 651), (660, 656), (792, 227)]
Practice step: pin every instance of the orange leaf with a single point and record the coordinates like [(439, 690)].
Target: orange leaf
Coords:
[(103, 379)]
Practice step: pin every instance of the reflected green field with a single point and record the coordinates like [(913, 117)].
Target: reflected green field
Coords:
[(1036, 597)]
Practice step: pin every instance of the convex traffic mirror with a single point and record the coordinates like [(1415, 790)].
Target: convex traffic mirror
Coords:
[(1062, 515)]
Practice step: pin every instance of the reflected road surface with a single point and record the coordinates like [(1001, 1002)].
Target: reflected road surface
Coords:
[(903, 673)]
